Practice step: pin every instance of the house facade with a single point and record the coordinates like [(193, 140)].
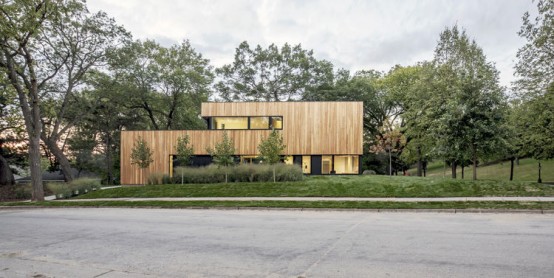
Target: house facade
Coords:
[(322, 137)]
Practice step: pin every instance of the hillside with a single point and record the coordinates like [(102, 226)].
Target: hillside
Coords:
[(525, 171)]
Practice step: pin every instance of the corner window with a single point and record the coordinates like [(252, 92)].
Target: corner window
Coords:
[(346, 164), (276, 123)]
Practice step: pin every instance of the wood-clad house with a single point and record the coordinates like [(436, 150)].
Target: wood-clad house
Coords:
[(322, 137)]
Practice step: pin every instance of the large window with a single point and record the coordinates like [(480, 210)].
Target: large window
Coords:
[(288, 160), (306, 164), (230, 122), (346, 164), (326, 164), (259, 122)]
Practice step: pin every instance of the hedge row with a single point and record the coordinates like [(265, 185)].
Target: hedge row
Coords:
[(73, 188), (239, 173)]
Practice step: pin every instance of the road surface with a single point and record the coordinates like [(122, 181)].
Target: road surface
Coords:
[(123, 242)]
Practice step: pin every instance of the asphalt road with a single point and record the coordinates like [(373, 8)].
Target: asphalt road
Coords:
[(119, 242)]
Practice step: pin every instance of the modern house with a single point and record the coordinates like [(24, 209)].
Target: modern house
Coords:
[(322, 137)]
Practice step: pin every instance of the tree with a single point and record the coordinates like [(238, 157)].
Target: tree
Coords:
[(141, 155), (272, 74), (535, 70), (271, 149), (184, 152), (22, 26), (534, 66), (167, 85), (470, 103), (78, 43), (223, 153)]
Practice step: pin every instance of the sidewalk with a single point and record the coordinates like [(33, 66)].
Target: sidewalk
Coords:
[(334, 199)]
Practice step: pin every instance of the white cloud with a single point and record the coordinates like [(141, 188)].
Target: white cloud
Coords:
[(352, 34)]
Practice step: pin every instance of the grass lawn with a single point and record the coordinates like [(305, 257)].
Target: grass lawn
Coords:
[(527, 170), (337, 186), (295, 204)]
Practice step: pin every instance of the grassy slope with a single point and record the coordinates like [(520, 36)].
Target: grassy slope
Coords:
[(337, 186), (527, 170)]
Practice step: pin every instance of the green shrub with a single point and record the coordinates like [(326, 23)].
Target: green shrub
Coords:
[(166, 179), (61, 190), (239, 173), (155, 178), (84, 185)]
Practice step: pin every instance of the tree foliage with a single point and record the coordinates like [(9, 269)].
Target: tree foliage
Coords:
[(470, 103), (166, 84), (223, 153), (271, 149), (272, 74), (535, 66), (141, 154)]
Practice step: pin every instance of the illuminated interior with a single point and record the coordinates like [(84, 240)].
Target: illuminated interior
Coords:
[(346, 164), (276, 123), (259, 122), (306, 164), (230, 122), (326, 164), (288, 160), (250, 159)]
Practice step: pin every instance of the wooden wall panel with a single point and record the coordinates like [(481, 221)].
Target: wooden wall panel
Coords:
[(308, 128)]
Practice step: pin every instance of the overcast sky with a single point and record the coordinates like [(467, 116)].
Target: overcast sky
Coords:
[(355, 35)]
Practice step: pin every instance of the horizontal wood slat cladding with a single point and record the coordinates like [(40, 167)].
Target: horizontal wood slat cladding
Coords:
[(322, 128)]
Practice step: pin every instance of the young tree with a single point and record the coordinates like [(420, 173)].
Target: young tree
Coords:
[(271, 149), (223, 153), (272, 74), (184, 152), (141, 155)]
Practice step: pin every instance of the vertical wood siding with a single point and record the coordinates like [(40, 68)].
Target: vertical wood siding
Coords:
[(321, 128)]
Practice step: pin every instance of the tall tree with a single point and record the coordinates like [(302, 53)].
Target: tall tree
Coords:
[(166, 84), (271, 149), (470, 103), (78, 43), (23, 26), (535, 69), (272, 74), (223, 153)]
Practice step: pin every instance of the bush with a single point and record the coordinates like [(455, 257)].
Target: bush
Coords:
[(75, 187), (61, 190), (239, 173), (155, 178), (369, 172)]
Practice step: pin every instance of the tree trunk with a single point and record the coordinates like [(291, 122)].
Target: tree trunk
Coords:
[(454, 166), (60, 156), (419, 162), (425, 169), (36, 171), (540, 179), (463, 171), (474, 156), (6, 175), (273, 173), (109, 162), (512, 168)]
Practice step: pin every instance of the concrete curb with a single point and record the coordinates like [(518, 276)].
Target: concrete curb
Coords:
[(453, 211)]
